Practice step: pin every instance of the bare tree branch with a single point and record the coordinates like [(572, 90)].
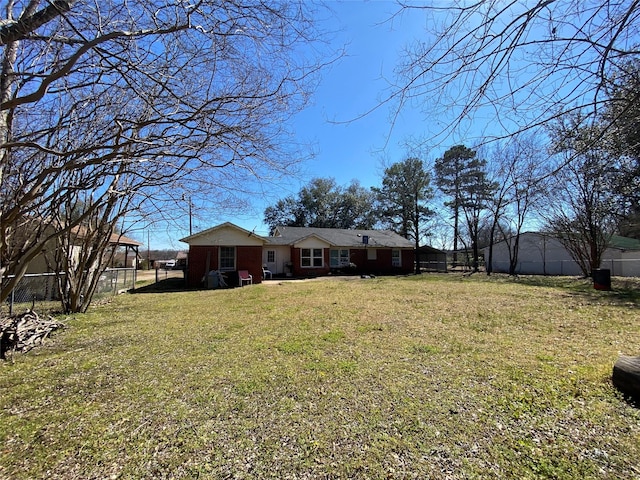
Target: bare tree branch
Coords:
[(12, 31), (516, 66), (114, 101)]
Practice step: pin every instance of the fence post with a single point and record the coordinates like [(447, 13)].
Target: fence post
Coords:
[(612, 268)]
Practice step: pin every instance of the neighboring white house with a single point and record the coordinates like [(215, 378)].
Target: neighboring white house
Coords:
[(543, 254), (43, 262)]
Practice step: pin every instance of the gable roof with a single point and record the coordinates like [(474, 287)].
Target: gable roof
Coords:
[(222, 226), (115, 238), (121, 240), (339, 237), (335, 237)]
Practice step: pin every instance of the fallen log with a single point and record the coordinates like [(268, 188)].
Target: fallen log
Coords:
[(626, 376), (23, 332)]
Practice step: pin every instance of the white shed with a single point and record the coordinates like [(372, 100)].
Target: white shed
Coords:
[(544, 254)]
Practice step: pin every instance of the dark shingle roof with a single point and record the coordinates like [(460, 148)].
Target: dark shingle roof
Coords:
[(338, 237)]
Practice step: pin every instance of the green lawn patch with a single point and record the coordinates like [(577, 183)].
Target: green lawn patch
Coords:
[(434, 376)]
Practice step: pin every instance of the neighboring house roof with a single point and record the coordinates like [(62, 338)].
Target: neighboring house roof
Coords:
[(339, 237), (114, 239), (117, 239), (624, 243)]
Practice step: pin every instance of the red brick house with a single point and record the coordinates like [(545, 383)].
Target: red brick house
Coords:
[(296, 252)]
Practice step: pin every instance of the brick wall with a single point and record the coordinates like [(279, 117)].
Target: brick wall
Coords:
[(247, 258), (382, 262), (197, 266), (250, 258), (300, 271)]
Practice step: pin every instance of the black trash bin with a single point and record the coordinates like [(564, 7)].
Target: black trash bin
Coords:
[(601, 279)]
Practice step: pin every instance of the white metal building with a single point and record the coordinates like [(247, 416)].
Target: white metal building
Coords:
[(543, 254)]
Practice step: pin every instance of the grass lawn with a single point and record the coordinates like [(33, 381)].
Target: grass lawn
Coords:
[(438, 376)]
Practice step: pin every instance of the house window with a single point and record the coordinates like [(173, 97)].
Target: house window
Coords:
[(396, 259), (227, 258), (372, 254), (339, 258), (311, 257), (271, 256)]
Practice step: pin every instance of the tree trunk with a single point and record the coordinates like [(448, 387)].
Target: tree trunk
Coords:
[(489, 262), (626, 376), (513, 255), (455, 235)]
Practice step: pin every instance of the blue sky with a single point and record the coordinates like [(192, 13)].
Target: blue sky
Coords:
[(347, 147), (374, 35)]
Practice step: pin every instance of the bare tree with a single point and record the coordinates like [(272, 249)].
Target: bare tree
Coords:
[(583, 211), (625, 115), (81, 255), (518, 169), (137, 102), (518, 64)]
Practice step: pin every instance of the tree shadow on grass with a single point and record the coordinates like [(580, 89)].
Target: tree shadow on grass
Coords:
[(164, 286)]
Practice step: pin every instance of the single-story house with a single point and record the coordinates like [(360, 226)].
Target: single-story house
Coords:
[(125, 248), (544, 254), (296, 252)]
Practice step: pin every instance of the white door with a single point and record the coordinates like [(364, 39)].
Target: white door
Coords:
[(270, 261)]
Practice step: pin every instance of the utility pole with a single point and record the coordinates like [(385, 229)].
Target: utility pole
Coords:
[(148, 252), (190, 223)]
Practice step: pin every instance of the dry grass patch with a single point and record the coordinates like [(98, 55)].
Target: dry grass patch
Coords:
[(419, 377)]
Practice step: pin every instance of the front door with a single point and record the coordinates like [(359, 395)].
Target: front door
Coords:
[(271, 262)]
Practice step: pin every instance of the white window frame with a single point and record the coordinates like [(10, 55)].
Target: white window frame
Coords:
[(396, 257), (271, 253), (314, 257), (343, 257), (227, 268)]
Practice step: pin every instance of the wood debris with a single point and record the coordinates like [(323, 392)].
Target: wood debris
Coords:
[(21, 333)]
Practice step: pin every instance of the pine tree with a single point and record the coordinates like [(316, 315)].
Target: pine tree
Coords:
[(462, 177), (402, 199)]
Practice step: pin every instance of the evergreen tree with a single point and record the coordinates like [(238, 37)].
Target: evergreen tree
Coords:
[(462, 177), (324, 204), (448, 177), (402, 199), (477, 192)]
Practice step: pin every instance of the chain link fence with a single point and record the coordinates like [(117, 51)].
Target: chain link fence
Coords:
[(40, 291), (618, 267)]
